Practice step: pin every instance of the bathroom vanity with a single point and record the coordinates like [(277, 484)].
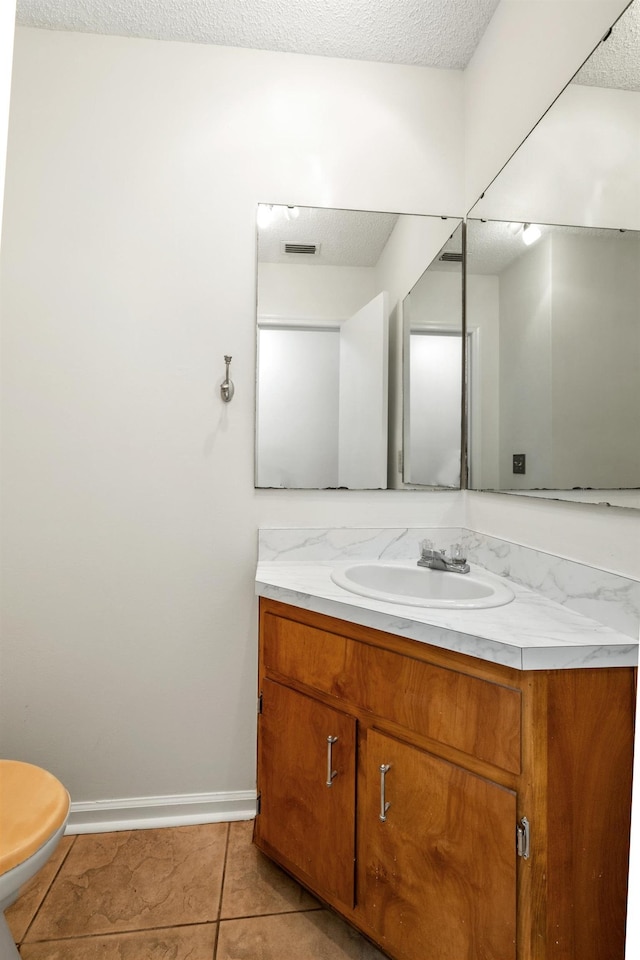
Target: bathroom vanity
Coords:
[(449, 806)]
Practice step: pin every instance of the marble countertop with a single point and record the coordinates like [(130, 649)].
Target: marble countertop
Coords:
[(532, 632)]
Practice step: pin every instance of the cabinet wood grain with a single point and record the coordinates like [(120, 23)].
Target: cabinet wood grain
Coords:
[(471, 748), (443, 863), (476, 716), (307, 821)]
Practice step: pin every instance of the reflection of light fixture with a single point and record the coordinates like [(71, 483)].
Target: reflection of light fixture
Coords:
[(530, 233), (265, 215), (292, 213)]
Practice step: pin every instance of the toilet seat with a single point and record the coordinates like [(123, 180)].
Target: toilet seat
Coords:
[(33, 807)]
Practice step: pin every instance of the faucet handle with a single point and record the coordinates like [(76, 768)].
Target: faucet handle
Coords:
[(426, 548), (457, 555)]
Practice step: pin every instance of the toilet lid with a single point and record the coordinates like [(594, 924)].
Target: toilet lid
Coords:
[(33, 805)]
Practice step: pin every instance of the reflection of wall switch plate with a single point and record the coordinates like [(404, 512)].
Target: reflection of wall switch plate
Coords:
[(519, 463)]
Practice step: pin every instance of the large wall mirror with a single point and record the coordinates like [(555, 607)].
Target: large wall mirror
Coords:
[(329, 302), (553, 295)]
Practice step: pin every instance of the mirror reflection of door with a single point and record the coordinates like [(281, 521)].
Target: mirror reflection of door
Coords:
[(432, 318), (322, 401), (297, 422), (364, 396), (434, 402)]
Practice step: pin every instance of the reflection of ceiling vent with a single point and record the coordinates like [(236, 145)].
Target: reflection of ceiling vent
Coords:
[(448, 257), (306, 248)]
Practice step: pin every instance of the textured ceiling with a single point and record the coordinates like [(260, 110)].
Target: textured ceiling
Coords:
[(347, 238), (616, 61), (432, 33), (493, 245)]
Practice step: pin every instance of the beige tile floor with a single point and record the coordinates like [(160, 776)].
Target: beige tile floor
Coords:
[(181, 893)]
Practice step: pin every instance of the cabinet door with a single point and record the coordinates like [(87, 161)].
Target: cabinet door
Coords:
[(437, 877), (307, 813)]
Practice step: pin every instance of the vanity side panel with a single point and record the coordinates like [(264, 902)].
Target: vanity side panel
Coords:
[(589, 772), (476, 716), (533, 799)]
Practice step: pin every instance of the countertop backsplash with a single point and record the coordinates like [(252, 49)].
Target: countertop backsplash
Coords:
[(602, 596)]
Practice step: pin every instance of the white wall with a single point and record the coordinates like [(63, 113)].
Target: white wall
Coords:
[(130, 519), (7, 19), (529, 51), (436, 301), (525, 399), (603, 537), (569, 347), (483, 326), (595, 360), (300, 291), (579, 166)]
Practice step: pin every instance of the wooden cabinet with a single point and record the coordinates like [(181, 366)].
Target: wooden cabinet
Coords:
[(395, 780), (307, 762), (442, 863)]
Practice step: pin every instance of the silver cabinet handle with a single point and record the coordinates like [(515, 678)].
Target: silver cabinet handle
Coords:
[(331, 773), (384, 767)]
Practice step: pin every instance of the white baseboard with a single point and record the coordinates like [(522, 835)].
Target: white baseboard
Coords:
[(145, 813)]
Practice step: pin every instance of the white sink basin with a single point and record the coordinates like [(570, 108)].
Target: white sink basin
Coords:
[(406, 582)]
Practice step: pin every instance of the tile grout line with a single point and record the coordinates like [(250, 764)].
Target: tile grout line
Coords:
[(48, 938), (276, 913), (215, 950), (216, 935), (172, 926), (47, 892), (119, 933)]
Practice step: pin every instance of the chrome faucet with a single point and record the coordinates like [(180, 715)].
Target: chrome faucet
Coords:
[(437, 559)]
